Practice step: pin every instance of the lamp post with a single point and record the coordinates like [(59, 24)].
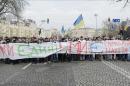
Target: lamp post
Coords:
[(43, 22), (96, 20)]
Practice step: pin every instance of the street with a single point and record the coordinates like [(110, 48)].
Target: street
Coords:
[(80, 73)]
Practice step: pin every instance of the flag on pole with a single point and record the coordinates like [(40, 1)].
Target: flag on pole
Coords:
[(126, 27), (48, 21), (40, 32), (79, 23), (62, 30)]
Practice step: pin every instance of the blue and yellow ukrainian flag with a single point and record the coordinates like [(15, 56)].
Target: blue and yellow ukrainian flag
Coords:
[(79, 23)]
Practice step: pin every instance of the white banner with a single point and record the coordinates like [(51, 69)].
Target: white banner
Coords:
[(23, 50), (98, 47)]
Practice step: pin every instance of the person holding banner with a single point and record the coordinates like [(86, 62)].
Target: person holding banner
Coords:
[(68, 52)]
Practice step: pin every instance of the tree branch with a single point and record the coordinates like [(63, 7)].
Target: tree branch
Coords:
[(126, 3), (14, 6)]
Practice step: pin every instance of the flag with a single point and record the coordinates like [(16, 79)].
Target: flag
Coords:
[(79, 23), (48, 20), (40, 32), (126, 27), (109, 19), (62, 30)]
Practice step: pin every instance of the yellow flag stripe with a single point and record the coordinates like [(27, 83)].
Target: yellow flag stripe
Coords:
[(126, 27), (80, 25)]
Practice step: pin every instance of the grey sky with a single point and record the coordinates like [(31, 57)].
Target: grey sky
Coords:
[(62, 12)]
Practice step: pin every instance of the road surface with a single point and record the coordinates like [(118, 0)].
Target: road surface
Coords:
[(80, 73)]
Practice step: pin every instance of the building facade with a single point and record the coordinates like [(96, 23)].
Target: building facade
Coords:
[(85, 32), (17, 30)]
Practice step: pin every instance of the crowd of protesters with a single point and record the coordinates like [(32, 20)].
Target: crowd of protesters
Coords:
[(4, 40), (65, 56)]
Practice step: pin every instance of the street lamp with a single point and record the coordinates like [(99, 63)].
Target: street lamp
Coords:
[(96, 20)]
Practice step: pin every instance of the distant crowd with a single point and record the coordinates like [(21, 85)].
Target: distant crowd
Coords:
[(4, 40)]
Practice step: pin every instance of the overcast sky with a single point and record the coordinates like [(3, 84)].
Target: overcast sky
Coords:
[(65, 12)]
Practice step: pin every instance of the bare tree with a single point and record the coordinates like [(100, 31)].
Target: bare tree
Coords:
[(110, 28), (126, 2), (13, 7)]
